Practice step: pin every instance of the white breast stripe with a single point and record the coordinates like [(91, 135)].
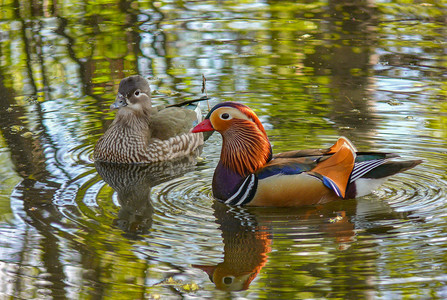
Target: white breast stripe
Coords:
[(239, 191), (335, 188), (247, 192)]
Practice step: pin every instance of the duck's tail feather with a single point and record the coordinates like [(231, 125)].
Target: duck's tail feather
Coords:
[(369, 175), (389, 168), (195, 106), (188, 102)]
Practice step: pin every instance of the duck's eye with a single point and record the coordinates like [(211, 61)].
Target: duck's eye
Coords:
[(225, 116), (228, 280), (137, 93)]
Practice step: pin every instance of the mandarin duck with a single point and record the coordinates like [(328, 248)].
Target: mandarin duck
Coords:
[(249, 174), (141, 133)]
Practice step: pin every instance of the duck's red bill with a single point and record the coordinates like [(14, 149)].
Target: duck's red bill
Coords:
[(205, 125)]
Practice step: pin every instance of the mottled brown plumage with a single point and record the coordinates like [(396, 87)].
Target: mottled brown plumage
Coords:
[(141, 133)]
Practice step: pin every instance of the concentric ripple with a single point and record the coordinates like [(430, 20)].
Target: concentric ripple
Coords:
[(421, 190)]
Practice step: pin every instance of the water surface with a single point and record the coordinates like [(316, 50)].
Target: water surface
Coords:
[(372, 71)]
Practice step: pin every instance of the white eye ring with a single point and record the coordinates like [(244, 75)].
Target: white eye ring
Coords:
[(225, 116), (137, 93)]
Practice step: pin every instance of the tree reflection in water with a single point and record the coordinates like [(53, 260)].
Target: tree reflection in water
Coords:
[(372, 71)]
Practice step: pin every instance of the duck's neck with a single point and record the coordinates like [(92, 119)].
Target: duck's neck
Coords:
[(225, 182), (245, 150)]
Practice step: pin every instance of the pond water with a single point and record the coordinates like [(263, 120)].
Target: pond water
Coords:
[(374, 71)]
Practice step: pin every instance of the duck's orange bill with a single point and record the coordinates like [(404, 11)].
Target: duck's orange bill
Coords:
[(205, 125)]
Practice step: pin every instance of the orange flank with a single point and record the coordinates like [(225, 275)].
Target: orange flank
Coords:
[(291, 190)]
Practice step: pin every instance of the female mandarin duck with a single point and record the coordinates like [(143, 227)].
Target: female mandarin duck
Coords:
[(141, 133), (248, 173)]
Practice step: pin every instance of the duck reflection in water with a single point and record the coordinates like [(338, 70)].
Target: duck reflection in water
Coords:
[(248, 236), (246, 245), (133, 183)]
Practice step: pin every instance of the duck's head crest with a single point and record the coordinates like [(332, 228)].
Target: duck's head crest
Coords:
[(246, 147), (134, 93), (225, 115)]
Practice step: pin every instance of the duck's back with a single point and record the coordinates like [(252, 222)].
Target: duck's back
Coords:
[(171, 122)]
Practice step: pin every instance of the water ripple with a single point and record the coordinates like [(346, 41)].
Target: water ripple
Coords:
[(422, 193), (165, 212)]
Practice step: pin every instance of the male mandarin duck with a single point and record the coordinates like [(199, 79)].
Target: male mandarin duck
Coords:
[(141, 133), (249, 174)]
